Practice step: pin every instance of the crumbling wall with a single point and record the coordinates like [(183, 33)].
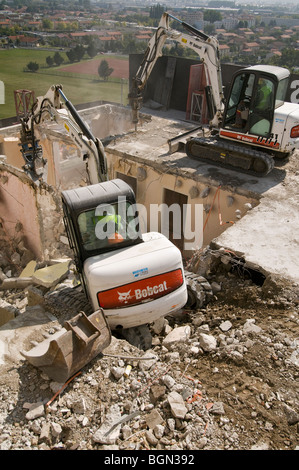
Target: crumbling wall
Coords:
[(10, 148), (50, 221), (108, 120), (20, 235), (31, 223)]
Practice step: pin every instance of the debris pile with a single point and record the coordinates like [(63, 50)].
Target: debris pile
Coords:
[(13, 252), (220, 377)]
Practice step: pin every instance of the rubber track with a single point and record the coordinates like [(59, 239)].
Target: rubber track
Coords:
[(234, 152), (199, 291), (138, 336), (66, 302)]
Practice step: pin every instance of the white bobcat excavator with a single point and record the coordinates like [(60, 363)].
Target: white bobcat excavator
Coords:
[(130, 279), (248, 129)]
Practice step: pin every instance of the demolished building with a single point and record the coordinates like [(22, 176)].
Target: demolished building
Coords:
[(247, 221), (239, 212)]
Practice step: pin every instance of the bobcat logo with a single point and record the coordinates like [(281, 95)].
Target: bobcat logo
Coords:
[(124, 296)]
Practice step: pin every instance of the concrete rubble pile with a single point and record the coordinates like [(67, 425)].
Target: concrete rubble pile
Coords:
[(222, 377)]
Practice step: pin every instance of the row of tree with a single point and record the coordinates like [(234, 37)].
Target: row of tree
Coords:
[(104, 70)]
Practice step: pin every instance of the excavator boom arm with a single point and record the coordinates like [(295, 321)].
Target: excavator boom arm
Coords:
[(51, 107), (205, 46)]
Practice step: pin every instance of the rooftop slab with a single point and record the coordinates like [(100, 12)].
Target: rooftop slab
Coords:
[(267, 236), (149, 145)]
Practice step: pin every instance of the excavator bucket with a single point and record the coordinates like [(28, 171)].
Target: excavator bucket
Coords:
[(80, 340)]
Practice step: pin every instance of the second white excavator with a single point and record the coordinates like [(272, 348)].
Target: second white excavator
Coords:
[(248, 129)]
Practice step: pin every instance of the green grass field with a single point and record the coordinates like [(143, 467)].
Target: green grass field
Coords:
[(78, 88)]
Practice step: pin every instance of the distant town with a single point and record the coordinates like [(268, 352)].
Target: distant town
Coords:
[(247, 34)]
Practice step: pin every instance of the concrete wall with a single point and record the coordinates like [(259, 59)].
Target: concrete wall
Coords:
[(31, 219), (10, 147), (18, 209)]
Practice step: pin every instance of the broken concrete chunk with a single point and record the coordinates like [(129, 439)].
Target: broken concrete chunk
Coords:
[(34, 296), (158, 325), (225, 326), (250, 327), (215, 287), (177, 335), (15, 283), (168, 381), (157, 392), (117, 372), (152, 440), (153, 418), (7, 312), (291, 414), (146, 365), (207, 342), (36, 411), (177, 405), (28, 271), (159, 431), (79, 406), (51, 275), (45, 434), (217, 408), (109, 432), (2, 275), (56, 429)]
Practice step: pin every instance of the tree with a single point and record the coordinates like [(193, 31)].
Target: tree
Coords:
[(104, 70), (156, 11), (71, 55), (79, 52), (47, 24), (33, 66), (58, 59), (50, 61), (289, 58), (212, 16), (91, 50)]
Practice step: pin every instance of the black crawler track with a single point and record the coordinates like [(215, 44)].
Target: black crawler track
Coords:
[(230, 155)]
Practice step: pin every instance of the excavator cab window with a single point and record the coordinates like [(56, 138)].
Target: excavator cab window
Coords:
[(108, 225), (251, 104), (262, 107), (239, 101), (281, 92)]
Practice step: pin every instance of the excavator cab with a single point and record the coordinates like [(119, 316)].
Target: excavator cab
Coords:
[(256, 125), (95, 228), (254, 95)]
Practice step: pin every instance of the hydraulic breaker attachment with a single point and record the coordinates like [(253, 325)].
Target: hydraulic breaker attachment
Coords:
[(67, 351)]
